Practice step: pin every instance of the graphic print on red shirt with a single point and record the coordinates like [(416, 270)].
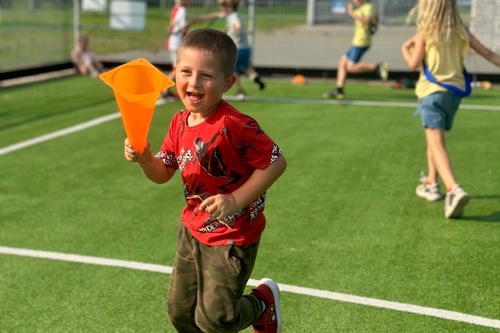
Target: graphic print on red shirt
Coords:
[(217, 157)]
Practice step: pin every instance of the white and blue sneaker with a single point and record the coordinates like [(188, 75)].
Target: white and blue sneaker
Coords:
[(455, 202), (430, 192)]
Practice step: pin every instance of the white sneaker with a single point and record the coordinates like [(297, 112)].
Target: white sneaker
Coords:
[(426, 191), (239, 97), (455, 202), (383, 71)]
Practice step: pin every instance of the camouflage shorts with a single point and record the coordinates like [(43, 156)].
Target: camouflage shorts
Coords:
[(207, 286)]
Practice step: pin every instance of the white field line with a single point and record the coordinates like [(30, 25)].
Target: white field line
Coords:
[(348, 102), (334, 296), (450, 315), (59, 133), (342, 102), (100, 120)]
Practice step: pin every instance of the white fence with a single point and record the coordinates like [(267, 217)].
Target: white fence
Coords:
[(38, 33)]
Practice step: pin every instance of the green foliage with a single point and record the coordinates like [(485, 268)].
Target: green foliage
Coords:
[(343, 217)]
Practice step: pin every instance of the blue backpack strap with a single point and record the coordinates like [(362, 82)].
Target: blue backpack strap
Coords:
[(457, 91)]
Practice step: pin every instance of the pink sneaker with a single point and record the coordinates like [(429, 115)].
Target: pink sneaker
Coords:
[(270, 321)]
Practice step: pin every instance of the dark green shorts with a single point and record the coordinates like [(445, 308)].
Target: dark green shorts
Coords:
[(207, 286)]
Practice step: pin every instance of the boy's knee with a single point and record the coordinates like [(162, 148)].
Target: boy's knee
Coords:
[(214, 325), (342, 61), (350, 67), (176, 317), (179, 316), (183, 320)]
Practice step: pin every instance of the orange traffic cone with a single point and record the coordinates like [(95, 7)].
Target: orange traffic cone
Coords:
[(136, 85), (299, 79)]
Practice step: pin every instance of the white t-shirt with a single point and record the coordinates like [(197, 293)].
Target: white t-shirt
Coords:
[(239, 37), (178, 21)]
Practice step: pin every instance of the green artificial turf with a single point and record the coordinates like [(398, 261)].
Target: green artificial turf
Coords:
[(343, 218)]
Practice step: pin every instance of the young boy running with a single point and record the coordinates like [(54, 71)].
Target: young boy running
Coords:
[(227, 163)]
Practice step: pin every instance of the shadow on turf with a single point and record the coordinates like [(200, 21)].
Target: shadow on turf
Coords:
[(491, 218)]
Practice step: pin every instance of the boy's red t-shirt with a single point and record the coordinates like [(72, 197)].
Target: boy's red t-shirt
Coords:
[(217, 157)]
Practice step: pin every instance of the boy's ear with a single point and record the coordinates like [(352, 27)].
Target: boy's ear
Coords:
[(230, 80)]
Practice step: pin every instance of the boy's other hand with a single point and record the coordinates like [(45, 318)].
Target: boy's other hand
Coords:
[(220, 206)]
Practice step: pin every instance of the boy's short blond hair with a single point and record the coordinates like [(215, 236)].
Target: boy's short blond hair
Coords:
[(215, 43)]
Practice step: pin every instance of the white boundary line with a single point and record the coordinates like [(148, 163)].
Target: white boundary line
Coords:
[(59, 133), (444, 314), (349, 102), (233, 98), (103, 119), (334, 296)]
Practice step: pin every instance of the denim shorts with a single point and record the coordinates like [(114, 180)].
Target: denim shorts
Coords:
[(354, 53), (243, 61), (438, 110)]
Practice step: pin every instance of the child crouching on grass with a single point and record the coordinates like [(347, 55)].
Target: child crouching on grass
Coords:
[(227, 163), (84, 60)]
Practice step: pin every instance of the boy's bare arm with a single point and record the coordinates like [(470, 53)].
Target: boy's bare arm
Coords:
[(206, 17), (259, 182), (152, 167)]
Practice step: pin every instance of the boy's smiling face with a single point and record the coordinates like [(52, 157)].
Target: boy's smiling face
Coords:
[(200, 81)]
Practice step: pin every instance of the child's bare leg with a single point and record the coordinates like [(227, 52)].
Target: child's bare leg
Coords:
[(361, 67), (239, 85), (341, 72), (432, 176), (439, 156)]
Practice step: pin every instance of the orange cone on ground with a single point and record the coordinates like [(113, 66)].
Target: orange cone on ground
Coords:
[(299, 79), (136, 85)]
